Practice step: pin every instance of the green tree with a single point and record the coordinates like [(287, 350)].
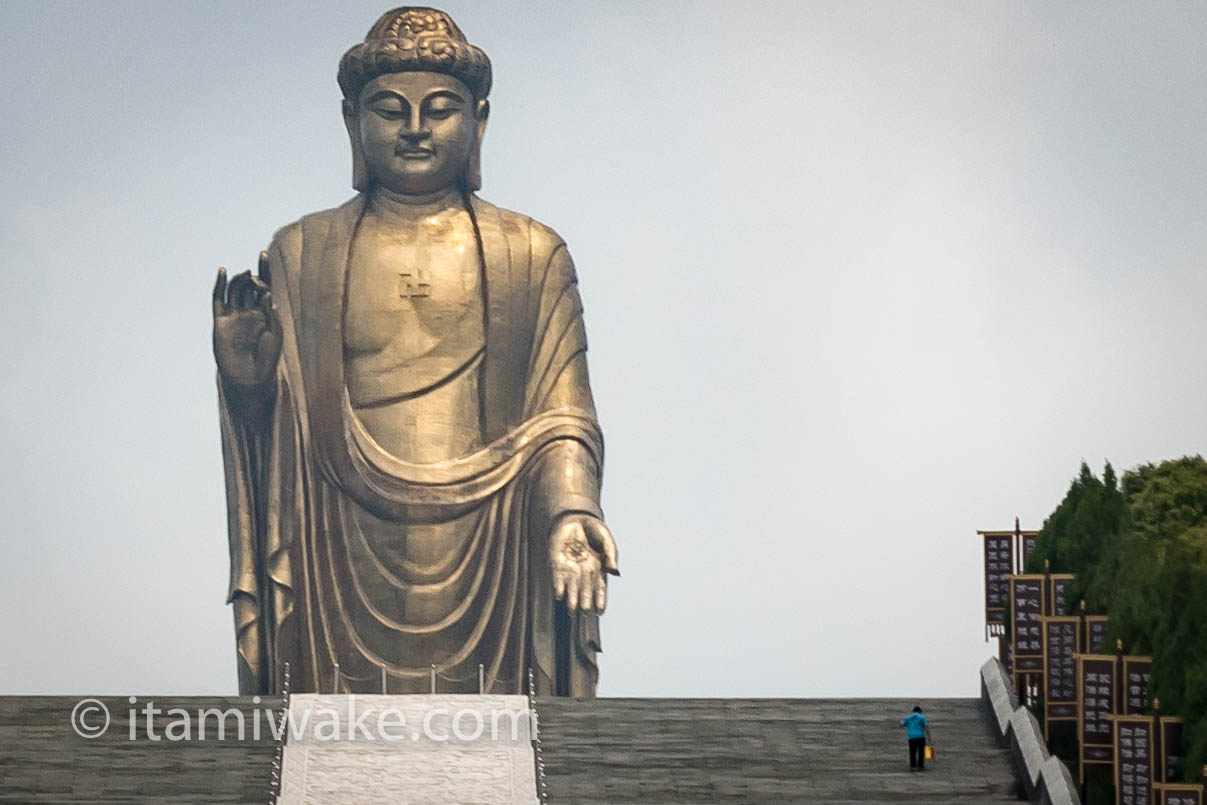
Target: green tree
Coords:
[(1161, 577), (1139, 549), (1083, 536)]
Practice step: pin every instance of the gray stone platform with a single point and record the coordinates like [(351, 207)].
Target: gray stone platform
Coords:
[(652, 751), (696, 751), (42, 760)]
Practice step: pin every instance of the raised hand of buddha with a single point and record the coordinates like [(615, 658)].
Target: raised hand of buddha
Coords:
[(247, 332), (582, 552)]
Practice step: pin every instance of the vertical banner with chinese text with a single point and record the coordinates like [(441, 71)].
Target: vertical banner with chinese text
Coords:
[(1169, 753), (1133, 760), (1061, 639), (999, 563), (1026, 610), (1095, 707), (1057, 602), (1181, 794), (1097, 627), (1029, 539), (1136, 674)]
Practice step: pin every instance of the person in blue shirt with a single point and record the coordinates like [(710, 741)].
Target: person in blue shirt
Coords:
[(918, 732)]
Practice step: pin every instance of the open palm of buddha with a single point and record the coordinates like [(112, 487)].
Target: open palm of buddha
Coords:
[(411, 449)]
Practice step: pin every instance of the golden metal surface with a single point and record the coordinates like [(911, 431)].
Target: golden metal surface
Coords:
[(411, 449)]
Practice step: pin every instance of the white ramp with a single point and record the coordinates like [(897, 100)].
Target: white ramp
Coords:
[(408, 750)]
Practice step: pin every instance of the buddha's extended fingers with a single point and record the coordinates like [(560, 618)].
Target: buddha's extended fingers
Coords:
[(247, 291), (266, 306), (572, 593), (220, 306), (601, 593), (586, 589), (600, 538), (263, 297), (586, 599), (559, 585), (263, 270), (240, 291)]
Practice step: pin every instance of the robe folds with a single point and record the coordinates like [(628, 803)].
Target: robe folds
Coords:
[(325, 526)]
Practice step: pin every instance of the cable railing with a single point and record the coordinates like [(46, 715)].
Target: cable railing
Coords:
[(274, 785), (542, 789), (342, 681)]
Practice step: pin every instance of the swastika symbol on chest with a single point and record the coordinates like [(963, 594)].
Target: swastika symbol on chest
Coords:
[(414, 284)]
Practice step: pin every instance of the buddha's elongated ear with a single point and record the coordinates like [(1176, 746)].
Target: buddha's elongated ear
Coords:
[(473, 169), (360, 174)]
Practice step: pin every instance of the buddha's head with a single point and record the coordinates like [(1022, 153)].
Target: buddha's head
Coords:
[(415, 104)]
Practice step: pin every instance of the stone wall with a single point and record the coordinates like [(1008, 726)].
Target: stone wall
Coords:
[(1042, 776)]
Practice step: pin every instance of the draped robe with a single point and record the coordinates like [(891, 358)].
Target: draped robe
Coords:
[(306, 483)]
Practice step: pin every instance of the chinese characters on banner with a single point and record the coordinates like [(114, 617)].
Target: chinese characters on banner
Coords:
[(1097, 626), (999, 563), (1181, 795), (1027, 609), (1136, 673), (1133, 760), (1061, 639), (1029, 539), (1057, 601), (1050, 652), (1024, 545), (1169, 753), (1095, 706)]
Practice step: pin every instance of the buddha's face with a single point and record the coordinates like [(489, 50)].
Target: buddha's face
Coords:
[(417, 130)]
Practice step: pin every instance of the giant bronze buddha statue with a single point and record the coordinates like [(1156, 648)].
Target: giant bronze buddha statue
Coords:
[(411, 449)]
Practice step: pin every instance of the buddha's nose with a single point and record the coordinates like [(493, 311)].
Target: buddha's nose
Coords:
[(416, 129)]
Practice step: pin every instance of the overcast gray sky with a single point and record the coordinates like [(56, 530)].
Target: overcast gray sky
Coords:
[(860, 278)]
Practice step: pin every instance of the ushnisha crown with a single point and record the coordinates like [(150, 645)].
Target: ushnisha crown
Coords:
[(414, 38)]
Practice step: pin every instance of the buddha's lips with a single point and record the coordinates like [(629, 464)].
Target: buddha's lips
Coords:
[(415, 153)]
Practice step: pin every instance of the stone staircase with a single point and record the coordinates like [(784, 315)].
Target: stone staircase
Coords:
[(696, 751), (42, 760), (652, 751)]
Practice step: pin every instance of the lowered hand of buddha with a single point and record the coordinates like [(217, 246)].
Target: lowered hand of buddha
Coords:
[(582, 552), (247, 331)]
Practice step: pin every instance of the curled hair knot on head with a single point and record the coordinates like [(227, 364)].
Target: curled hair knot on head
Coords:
[(412, 38)]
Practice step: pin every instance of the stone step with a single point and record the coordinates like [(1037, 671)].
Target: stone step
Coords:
[(698, 751), (409, 750), (43, 760), (652, 751)]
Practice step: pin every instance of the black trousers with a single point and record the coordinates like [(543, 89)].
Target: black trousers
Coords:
[(917, 753)]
